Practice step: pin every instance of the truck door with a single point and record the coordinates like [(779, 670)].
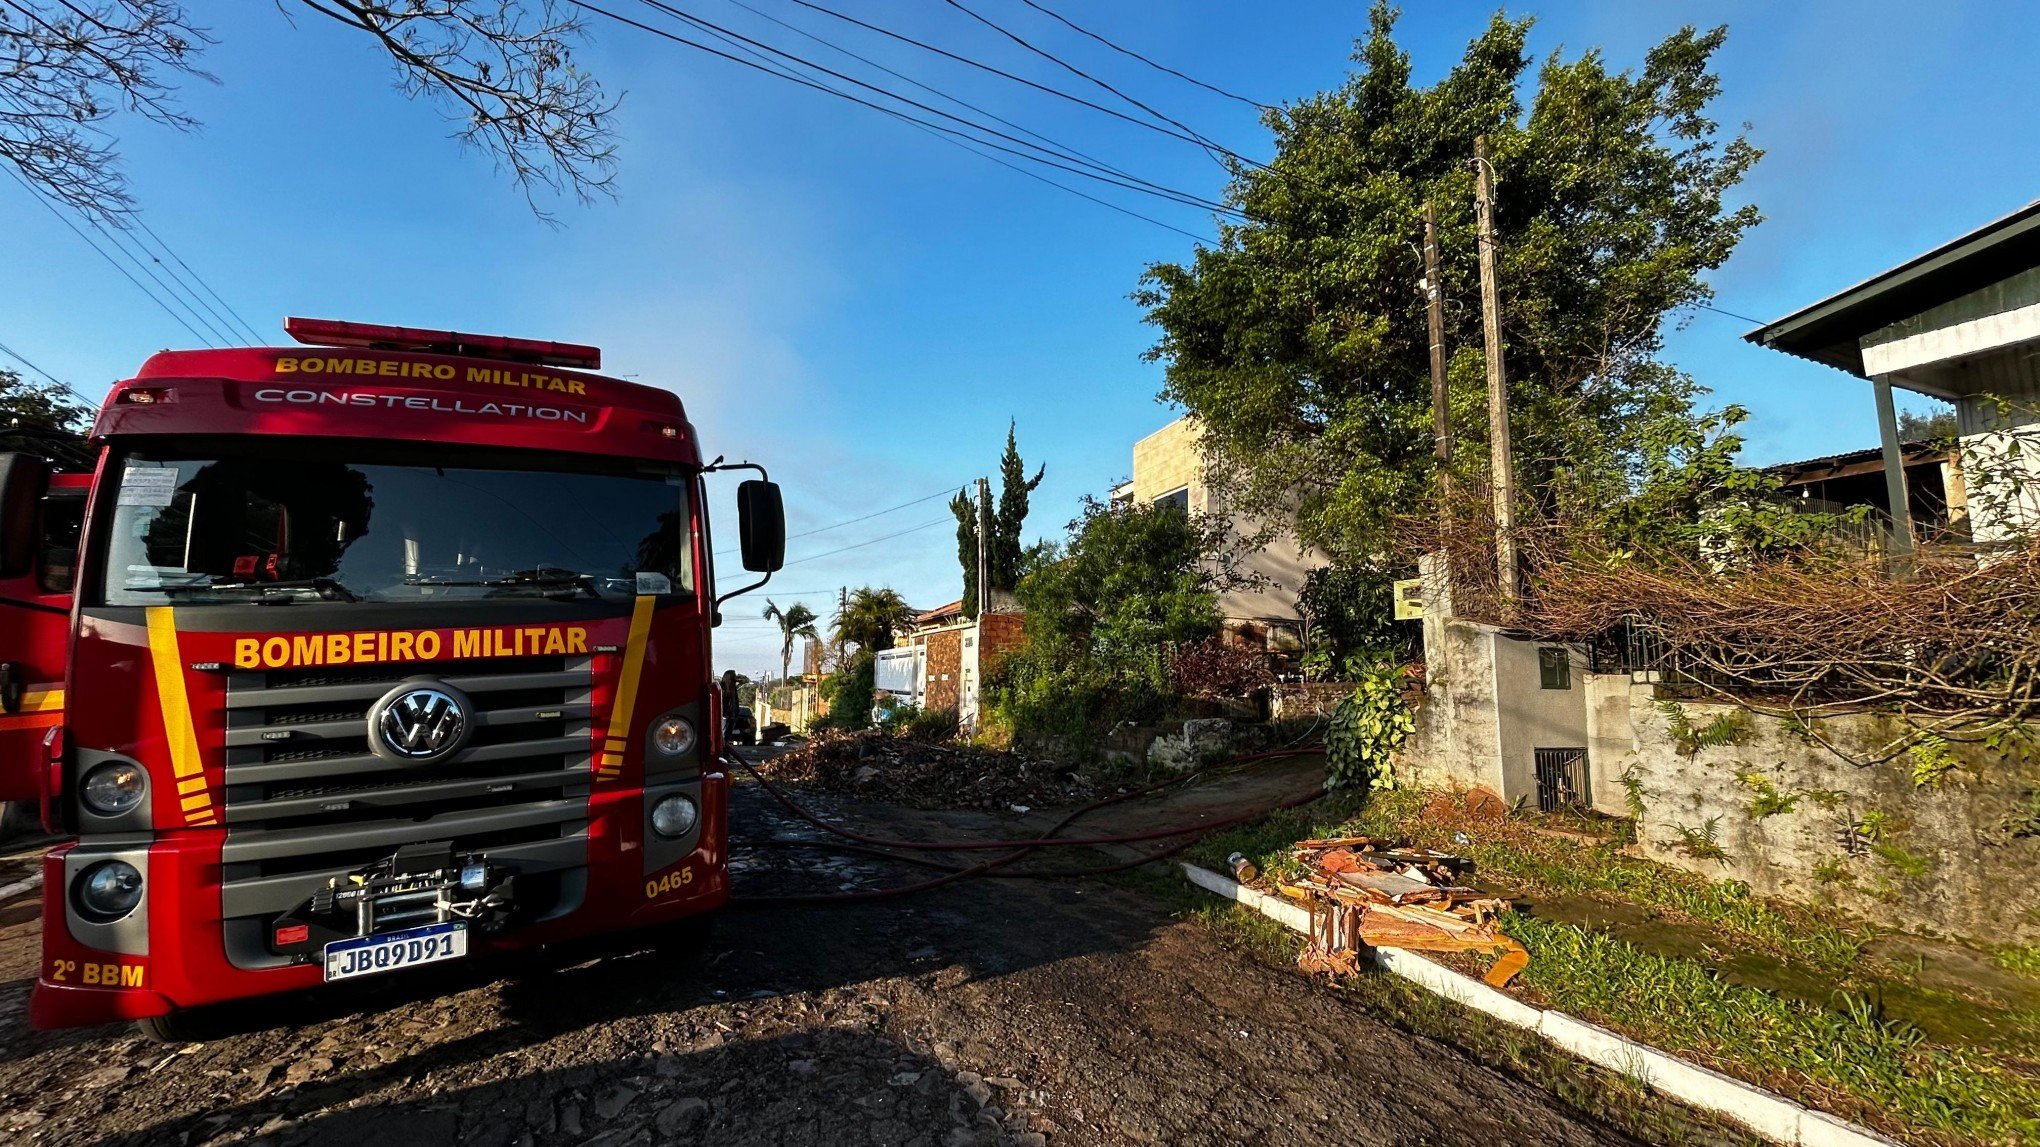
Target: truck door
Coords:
[(35, 625)]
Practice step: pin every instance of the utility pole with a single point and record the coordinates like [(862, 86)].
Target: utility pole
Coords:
[(1503, 463), (1441, 397), (984, 579), (842, 607)]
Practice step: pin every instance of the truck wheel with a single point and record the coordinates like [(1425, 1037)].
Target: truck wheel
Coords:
[(173, 1028)]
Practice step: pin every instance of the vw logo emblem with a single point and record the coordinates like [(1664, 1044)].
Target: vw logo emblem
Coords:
[(418, 722)]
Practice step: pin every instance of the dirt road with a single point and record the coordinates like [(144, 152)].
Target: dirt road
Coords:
[(991, 1012)]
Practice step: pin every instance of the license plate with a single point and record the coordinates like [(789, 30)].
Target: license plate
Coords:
[(368, 955)]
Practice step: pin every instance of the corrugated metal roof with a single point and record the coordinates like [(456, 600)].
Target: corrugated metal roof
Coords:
[(1828, 331)]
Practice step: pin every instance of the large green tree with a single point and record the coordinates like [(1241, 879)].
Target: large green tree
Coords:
[(38, 418), (1005, 557), (1300, 340)]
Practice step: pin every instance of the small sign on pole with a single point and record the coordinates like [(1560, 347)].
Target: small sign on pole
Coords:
[(1409, 599)]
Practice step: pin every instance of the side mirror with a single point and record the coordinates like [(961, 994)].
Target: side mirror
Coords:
[(761, 526), (23, 480)]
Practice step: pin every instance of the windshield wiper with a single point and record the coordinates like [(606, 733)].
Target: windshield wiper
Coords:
[(327, 589), (543, 577)]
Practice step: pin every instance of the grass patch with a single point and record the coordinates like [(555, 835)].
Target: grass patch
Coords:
[(1511, 852), (2025, 960), (1614, 1100), (1839, 1053), (1845, 1059)]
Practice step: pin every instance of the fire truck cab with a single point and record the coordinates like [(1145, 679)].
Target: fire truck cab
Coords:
[(385, 649)]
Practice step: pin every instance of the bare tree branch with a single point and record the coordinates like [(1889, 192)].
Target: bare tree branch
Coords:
[(66, 68), (503, 70)]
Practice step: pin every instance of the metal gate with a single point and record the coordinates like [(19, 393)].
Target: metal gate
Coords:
[(1562, 780)]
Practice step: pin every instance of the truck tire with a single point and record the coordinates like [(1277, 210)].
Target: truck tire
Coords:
[(18, 819), (173, 1028)]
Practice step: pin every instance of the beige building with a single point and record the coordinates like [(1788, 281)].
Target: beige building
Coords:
[(1168, 466)]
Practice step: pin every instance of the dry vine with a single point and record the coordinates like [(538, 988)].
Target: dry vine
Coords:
[(1948, 642)]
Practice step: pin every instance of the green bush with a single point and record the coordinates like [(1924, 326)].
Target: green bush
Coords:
[(917, 724), (850, 691), (1351, 610), (1366, 730), (1131, 584)]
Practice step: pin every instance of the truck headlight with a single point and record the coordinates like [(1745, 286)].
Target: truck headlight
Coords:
[(109, 890), (114, 788), (673, 736), (674, 816)]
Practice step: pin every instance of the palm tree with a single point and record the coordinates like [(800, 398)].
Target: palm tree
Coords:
[(871, 617), (798, 621)]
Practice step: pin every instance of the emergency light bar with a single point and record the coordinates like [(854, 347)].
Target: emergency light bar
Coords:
[(373, 336)]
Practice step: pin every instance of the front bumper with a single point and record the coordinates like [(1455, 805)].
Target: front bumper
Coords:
[(184, 962)]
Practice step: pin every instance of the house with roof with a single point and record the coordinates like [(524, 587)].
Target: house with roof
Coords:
[(1961, 323), (1263, 611)]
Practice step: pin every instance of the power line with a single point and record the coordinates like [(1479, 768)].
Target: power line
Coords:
[(958, 143), (1086, 168), (872, 542), (1058, 61), (1149, 125), (1081, 30), (10, 352), (1730, 314), (930, 89), (942, 493), (196, 278), (177, 288), (153, 297)]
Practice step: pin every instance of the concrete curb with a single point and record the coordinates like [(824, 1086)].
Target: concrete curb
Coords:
[(1765, 1112)]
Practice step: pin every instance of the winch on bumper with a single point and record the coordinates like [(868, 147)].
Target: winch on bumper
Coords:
[(418, 885)]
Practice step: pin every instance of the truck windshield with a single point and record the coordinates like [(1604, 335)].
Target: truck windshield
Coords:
[(318, 522)]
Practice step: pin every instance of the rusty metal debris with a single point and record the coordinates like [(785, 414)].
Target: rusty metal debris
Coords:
[(1365, 892)]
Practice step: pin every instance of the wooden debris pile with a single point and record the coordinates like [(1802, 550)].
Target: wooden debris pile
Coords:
[(1367, 892)]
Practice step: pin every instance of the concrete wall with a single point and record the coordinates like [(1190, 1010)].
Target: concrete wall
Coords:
[(1486, 712), (1531, 717), (1457, 739), (1949, 858), (1611, 738)]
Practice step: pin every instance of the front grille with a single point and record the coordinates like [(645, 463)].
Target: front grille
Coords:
[(307, 800)]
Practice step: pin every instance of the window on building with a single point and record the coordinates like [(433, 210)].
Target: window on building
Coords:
[(1554, 667), (1562, 779), (1180, 499)]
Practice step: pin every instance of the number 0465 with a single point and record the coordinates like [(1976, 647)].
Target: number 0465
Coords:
[(670, 882)]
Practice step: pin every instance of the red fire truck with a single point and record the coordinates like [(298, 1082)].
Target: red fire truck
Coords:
[(385, 649)]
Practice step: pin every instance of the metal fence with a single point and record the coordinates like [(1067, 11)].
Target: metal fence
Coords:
[(1562, 779)]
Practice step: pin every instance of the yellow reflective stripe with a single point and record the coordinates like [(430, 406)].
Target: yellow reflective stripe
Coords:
[(618, 737), (176, 706), (40, 700)]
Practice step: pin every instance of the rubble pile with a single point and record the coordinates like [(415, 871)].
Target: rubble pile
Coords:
[(1368, 892), (877, 766)]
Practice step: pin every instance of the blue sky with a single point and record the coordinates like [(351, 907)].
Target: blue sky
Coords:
[(863, 308)]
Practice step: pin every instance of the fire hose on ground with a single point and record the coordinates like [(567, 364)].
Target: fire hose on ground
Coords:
[(865, 844)]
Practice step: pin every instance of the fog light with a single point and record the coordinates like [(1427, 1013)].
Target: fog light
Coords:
[(674, 816), (110, 890), (114, 788), (673, 737)]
